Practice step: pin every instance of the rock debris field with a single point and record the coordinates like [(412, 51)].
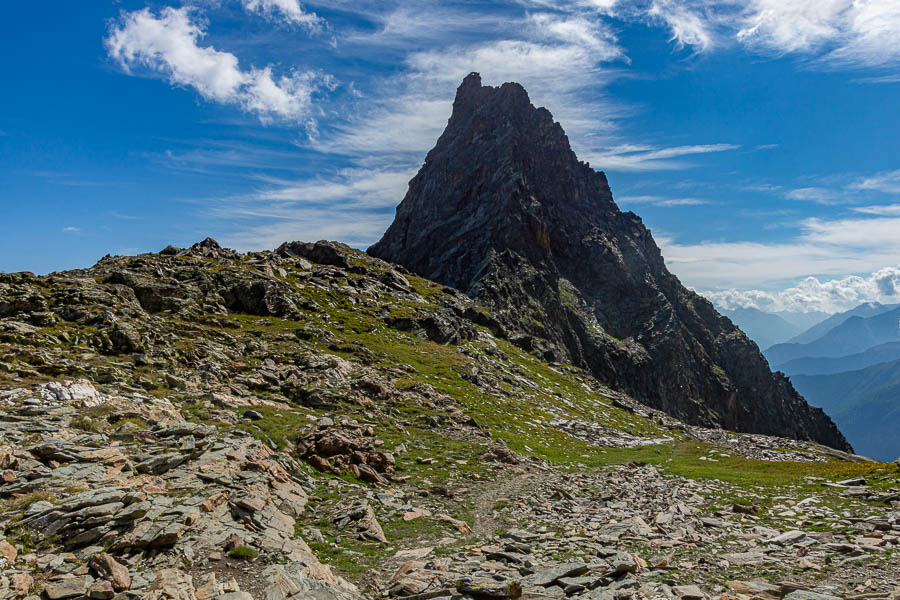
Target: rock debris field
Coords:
[(314, 423)]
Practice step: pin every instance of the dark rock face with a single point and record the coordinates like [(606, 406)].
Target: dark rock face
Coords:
[(504, 210)]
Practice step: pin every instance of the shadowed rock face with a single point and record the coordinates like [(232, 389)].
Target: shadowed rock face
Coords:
[(504, 210)]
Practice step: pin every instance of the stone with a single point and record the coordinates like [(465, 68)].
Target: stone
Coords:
[(550, 576), (787, 538), (689, 592), (101, 590), (489, 589), (21, 583), (807, 595), (8, 551), (70, 587), (113, 571)]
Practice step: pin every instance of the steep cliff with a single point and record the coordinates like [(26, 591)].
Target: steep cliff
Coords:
[(503, 210)]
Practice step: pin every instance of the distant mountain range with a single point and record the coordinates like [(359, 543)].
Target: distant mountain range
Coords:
[(855, 334), (848, 364), (766, 329), (864, 403), (815, 331), (825, 366)]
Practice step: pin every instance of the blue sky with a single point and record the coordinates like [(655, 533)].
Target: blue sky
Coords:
[(758, 139)]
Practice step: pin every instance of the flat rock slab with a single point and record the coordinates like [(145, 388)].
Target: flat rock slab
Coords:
[(550, 576), (805, 595)]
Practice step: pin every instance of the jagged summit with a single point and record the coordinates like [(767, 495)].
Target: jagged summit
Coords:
[(503, 210)]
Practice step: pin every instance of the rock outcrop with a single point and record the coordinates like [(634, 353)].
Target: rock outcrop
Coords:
[(503, 210)]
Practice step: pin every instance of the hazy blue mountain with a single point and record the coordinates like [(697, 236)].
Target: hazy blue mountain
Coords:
[(803, 320), (825, 366), (865, 404), (763, 328), (814, 332), (854, 335)]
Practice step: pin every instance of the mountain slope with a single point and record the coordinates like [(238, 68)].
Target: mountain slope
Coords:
[(503, 210), (854, 335), (868, 309), (766, 329), (865, 404), (824, 366)]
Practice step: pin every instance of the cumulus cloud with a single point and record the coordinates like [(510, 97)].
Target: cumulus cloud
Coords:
[(813, 294), (167, 44), (289, 10)]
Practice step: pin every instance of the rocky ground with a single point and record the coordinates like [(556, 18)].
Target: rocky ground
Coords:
[(313, 423)]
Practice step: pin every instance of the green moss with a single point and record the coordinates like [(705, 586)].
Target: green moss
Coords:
[(243, 553)]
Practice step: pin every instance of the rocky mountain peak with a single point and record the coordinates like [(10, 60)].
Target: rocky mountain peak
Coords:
[(503, 210)]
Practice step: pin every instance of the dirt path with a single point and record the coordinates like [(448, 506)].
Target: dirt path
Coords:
[(511, 483)]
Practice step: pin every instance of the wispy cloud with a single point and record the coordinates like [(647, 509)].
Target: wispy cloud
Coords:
[(661, 201), (352, 205), (689, 27), (882, 79), (288, 10), (631, 157), (819, 195), (887, 182), (168, 44), (71, 229), (890, 210)]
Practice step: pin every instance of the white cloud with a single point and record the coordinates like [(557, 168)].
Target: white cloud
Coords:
[(814, 194), (289, 10), (659, 201), (689, 27), (631, 157), (589, 33), (360, 188), (881, 79), (888, 210), (848, 33), (168, 44), (555, 57), (862, 244), (71, 229), (888, 182), (813, 294), (349, 206)]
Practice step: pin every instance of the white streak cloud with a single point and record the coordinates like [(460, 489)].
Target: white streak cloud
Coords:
[(631, 157), (660, 201)]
